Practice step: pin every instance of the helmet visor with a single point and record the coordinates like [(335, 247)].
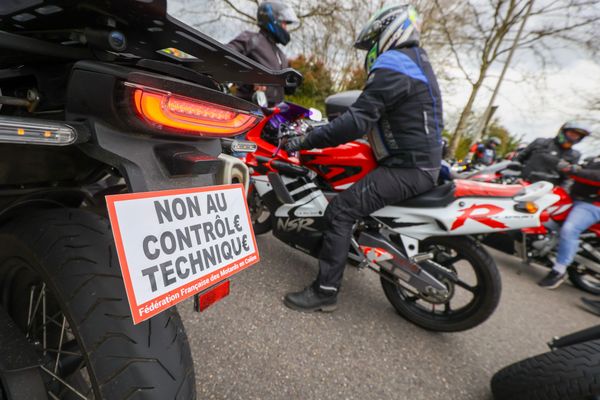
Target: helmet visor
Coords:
[(368, 36), (370, 32), (575, 135)]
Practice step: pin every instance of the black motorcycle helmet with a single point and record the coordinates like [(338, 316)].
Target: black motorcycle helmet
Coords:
[(390, 27), (270, 16)]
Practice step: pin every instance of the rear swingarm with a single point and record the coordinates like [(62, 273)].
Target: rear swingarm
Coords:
[(400, 266)]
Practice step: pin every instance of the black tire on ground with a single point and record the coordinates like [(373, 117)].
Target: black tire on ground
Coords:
[(568, 373), (260, 215), (584, 281), (71, 254), (479, 309)]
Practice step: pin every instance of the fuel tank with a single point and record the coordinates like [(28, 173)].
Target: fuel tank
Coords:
[(339, 167)]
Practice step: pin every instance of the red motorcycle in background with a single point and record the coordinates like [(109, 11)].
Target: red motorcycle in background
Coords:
[(506, 172), (539, 245)]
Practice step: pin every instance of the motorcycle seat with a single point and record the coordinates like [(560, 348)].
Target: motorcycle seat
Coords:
[(439, 196)]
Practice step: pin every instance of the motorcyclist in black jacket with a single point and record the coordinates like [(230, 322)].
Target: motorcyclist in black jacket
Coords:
[(543, 154), (400, 109), (273, 18)]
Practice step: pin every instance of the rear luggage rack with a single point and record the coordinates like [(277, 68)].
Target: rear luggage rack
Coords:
[(144, 31)]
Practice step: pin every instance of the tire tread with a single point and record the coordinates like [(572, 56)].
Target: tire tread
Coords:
[(75, 251), (569, 373)]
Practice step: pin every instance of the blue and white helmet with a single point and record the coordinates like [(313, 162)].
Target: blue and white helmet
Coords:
[(271, 14), (390, 27)]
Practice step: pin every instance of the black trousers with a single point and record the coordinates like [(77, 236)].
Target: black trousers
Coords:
[(381, 187)]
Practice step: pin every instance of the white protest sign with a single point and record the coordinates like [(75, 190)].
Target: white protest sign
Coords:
[(173, 244)]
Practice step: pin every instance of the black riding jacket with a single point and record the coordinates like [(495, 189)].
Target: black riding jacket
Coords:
[(587, 182), (543, 155), (259, 47), (400, 109)]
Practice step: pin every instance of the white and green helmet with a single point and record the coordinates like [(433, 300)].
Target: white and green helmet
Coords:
[(390, 27)]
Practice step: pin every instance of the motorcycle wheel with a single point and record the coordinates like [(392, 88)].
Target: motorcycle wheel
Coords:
[(259, 213), (61, 283), (586, 280), (568, 373), (470, 301)]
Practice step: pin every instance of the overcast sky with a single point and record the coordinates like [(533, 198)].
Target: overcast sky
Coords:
[(530, 108)]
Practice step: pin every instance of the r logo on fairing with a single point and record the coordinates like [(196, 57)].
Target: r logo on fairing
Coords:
[(474, 213)]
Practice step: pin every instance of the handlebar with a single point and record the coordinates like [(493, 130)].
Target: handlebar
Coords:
[(543, 176)]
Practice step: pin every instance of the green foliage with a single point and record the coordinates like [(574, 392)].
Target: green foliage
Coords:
[(463, 148), (354, 79), (318, 83)]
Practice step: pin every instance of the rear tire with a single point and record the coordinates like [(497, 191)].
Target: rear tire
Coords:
[(568, 373), (259, 213), (485, 297), (584, 281), (67, 259)]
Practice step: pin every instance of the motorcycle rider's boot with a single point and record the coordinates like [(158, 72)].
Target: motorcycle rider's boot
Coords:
[(552, 280), (312, 299)]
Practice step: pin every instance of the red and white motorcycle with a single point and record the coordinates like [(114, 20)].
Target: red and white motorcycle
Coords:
[(432, 271)]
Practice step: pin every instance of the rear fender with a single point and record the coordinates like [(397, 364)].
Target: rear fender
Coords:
[(45, 198), (151, 163)]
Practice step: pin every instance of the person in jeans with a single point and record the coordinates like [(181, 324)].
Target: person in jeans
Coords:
[(400, 109), (585, 213)]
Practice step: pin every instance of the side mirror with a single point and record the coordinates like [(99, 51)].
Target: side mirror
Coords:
[(315, 115), (259, 97)]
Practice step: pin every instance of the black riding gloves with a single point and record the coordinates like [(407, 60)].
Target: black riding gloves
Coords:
[(296, 143)]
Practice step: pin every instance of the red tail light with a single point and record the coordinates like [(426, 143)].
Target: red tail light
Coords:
[(184, 115)]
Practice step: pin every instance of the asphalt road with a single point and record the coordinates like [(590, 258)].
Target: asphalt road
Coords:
[(250, 346)]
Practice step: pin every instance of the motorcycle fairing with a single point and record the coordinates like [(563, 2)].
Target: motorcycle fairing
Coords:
[(300, 224), (341, 166), (464, 216)]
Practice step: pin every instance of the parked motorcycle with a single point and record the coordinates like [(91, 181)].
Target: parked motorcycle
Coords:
[(505, 172), (95, 100), (571, 371), (431, 270), (539, 244)]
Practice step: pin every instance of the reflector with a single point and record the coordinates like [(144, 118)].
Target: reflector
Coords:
[(178, 114), (212, 295), (20, 130)]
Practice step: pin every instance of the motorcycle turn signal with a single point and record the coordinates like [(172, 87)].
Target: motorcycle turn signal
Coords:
[(528, 207)]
